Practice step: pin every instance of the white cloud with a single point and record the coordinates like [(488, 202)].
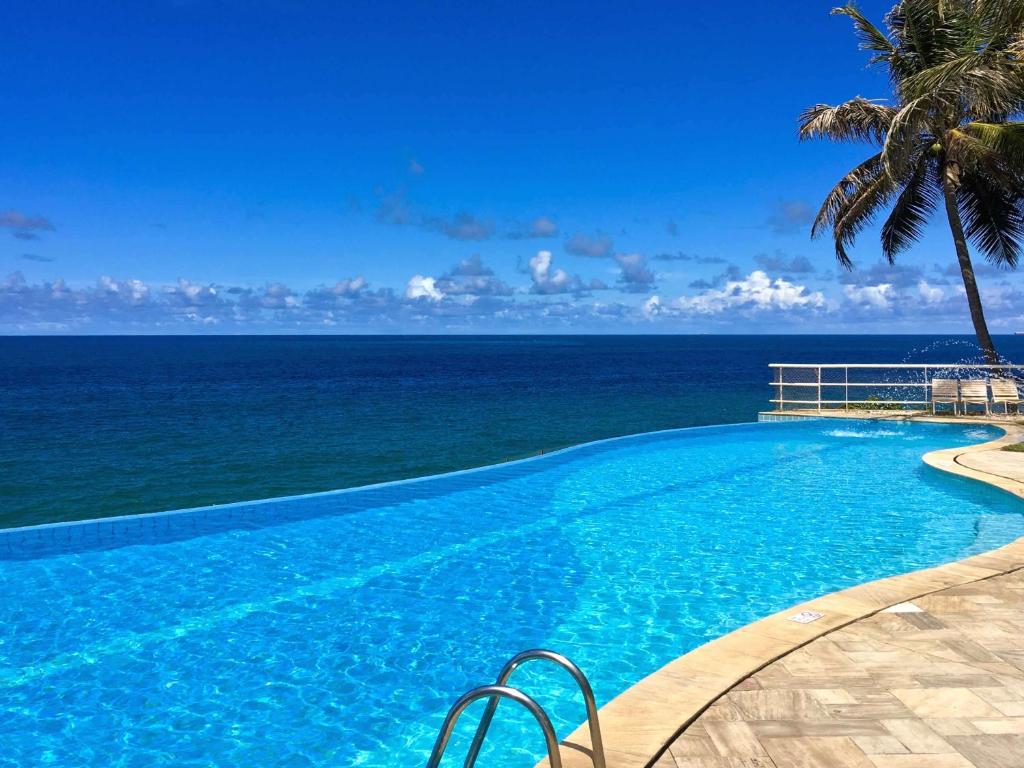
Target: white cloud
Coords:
[(420, 287), (273, 296), (189, 294), (544, 279), (652, 307), (132, 291), (470, 297), (471, 277), (930, 294), (635, 275), (349, 286), (756, 292), (878, 296), (549, 281)]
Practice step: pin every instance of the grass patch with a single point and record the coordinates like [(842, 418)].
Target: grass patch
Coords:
[(1016, 447)]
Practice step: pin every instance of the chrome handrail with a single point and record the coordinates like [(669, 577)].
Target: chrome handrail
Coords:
[(495, 692), (540, 654)]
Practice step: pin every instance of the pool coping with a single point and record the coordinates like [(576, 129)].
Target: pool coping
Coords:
[(639, 724)]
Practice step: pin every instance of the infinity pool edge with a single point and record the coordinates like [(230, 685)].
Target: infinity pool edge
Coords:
[(229, 505)]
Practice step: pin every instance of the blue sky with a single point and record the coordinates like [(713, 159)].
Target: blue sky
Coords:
[(199, 166)]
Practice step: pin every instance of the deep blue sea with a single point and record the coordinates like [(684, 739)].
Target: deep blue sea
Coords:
[(99, 426)]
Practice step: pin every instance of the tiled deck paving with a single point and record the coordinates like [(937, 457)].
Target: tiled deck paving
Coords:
[(940, 688)]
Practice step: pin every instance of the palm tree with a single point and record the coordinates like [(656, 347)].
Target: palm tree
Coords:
[(957, 74)]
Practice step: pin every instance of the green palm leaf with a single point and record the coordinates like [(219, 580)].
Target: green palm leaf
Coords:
[(914, 205), (993, 220)]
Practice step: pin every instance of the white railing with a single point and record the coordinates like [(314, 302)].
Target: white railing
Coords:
[(882, 386)]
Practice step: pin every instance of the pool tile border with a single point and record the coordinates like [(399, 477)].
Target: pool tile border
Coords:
[(639, 724)]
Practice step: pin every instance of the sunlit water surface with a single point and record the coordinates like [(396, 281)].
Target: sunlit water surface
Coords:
[(336, 629)]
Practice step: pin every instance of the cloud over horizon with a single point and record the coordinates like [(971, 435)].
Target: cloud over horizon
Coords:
[(470, 295), (549, 281)]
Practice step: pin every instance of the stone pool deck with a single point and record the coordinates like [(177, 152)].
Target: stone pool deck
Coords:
[(922, 670), (938, 686)]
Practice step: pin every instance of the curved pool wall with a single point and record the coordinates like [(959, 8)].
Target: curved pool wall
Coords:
[(29, 542), (335, 629)]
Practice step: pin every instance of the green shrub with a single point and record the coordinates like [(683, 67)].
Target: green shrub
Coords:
[(875, 403)]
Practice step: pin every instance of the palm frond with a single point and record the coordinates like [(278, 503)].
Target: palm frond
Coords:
[(1004, 139), (1002, 19), (968, 156), (909, 127), (858, 119), (858, 213), (915, 204), (993, 219), (957, 70), (920, 31), (986, 82), (847, 188), (870, 37)]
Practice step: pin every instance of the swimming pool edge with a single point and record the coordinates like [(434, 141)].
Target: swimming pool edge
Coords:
[(641, 723), (405, 481)]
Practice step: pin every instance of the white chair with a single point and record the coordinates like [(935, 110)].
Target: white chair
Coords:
[(974, 392), (1005, 391), (944, 392)]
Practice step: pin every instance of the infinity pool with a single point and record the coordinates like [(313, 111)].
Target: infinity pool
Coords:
[(336, 629)]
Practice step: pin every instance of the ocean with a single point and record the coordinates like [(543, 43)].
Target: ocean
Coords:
[(100, 426)]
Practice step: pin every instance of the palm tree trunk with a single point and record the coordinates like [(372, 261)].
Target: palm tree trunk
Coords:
[(963, 255)]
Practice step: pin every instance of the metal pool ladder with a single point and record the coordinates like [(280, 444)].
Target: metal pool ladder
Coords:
[(500, 690)]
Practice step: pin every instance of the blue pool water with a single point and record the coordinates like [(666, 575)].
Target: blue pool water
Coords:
[(336, 629)]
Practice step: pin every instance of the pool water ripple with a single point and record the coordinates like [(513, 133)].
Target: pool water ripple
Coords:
[(339, 632)]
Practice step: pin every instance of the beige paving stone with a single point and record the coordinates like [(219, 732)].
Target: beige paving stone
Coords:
[(880, 745), (734, 739), (1001, 725), (945, 702), (786, 728), (917, 737), (951, 726), (768, 704), (832, 696), (1010, 708), (884, 693), (817, 752), (991, 751), (921, 761)]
